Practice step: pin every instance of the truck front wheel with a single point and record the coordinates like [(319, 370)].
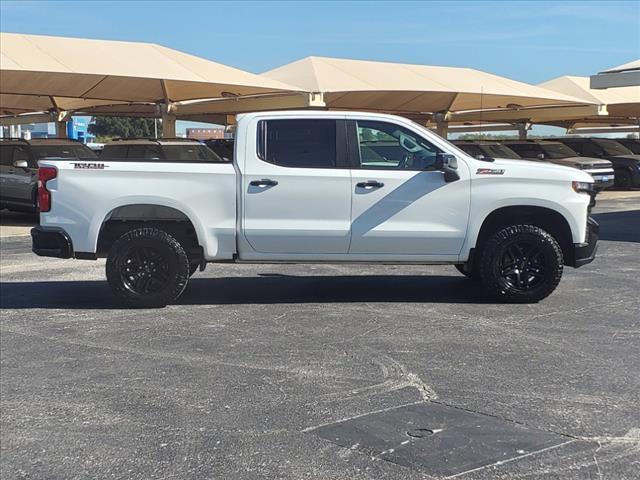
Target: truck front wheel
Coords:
[(521, 264), (147, 267)]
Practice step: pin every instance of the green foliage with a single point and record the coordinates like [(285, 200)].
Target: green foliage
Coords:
[(123, 127)]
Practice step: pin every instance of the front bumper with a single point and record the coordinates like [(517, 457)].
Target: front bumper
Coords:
[(602, 181), (51, 242), (585, 252)]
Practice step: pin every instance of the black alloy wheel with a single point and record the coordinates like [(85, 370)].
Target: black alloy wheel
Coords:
[(523, 265), (145, 270)]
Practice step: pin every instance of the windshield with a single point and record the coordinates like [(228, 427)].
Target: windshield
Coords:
[(499, 151), (611, 147), (191, 153), (557, 150), (631, 144), (62, 151)]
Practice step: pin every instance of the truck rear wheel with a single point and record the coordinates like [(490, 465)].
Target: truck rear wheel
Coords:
[(521, 264), (147, 267)]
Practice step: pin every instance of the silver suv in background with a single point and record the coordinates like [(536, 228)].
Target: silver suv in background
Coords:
[(161, 149), (19, 167), (556, 152)]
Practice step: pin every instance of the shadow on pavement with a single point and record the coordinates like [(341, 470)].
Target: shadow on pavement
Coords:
[(96, 295), (619, 226)]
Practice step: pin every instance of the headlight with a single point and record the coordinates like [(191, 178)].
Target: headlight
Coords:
[(582, 187)]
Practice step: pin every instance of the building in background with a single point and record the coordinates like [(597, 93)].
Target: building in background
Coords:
[(207, 133), (77, 129)]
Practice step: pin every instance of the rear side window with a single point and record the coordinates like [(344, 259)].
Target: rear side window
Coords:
[(298, 143)]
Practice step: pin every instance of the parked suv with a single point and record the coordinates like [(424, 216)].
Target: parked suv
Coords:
[(625, 163), (556, 152), (19, 167), (481, 149), (632, 144), (176, 149)]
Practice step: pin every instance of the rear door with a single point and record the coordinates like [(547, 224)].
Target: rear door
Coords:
[(297, 188), (401, 204)]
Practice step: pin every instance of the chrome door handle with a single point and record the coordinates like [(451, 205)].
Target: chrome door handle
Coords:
[(265, 182), (370, 184)]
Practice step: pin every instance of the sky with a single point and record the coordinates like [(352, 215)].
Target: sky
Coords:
[(526, 41)]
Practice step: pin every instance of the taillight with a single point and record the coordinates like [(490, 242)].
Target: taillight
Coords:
[(44, 196)]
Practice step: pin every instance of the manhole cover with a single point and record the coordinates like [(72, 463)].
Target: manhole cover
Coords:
[(454, 441), (420, 432)]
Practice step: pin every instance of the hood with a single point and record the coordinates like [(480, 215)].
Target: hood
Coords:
[(536, 169), (587, 161)]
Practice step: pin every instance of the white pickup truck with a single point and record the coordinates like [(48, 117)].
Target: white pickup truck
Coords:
[(317, 187)]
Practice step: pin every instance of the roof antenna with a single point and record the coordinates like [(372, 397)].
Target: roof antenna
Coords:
[(481, 97)]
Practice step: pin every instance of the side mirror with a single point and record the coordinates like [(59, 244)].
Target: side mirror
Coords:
[(540, 156), (447, 163), (21, 164)]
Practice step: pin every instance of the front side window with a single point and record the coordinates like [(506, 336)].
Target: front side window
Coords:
[(298, 143), (387, 146)]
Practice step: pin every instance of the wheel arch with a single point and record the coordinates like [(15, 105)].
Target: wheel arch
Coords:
[(546, 218), (125, 217)]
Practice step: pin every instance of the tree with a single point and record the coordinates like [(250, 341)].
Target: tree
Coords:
[(123, 127)]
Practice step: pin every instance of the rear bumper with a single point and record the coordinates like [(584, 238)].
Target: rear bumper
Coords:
[(51, 242), (585, 252)]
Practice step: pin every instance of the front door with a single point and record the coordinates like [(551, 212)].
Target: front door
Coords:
[(401, 203), (297, 188)]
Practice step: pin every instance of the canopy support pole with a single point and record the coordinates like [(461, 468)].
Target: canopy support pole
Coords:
[(61, 120), (442, 124), (523, 129), (166, 111), (168, 125)]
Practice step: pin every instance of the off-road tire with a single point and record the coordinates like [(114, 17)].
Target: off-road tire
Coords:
[(147, 268), (536, 274), (193, 268)]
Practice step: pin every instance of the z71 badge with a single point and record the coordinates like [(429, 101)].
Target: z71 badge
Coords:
[(90, 166), (490, 171)]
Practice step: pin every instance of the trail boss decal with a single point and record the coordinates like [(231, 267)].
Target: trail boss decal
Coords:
[(90, 166), (490, 171)]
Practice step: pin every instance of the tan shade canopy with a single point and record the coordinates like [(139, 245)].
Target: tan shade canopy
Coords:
[(18, 104), (59, 68), (633, 65), (620, 102), (394, 87)]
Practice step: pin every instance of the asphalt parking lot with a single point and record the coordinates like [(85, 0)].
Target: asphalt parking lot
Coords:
[(322, 371)]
